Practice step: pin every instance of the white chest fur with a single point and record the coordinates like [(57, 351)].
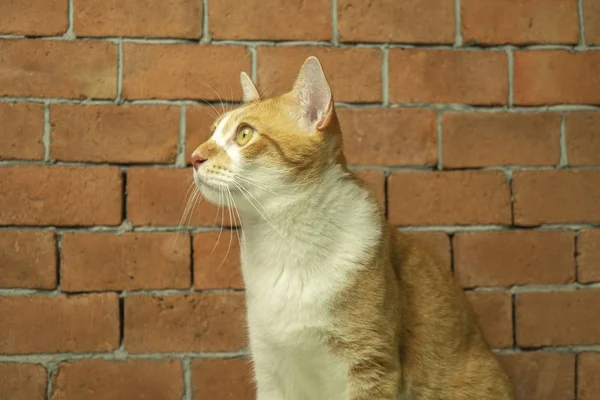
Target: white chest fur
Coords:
[(292, 281)]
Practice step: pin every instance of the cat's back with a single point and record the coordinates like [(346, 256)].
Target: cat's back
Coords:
[(443, 353)]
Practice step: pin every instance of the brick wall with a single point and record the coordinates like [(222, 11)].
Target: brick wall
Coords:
[(475, 122)]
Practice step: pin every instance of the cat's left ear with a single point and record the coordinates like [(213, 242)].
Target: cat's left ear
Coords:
[(313, 95), (250, 93)]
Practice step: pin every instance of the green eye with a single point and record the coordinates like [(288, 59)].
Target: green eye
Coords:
[(244, 134)]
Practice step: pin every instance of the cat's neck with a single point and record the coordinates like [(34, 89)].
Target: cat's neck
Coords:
[(338, 199)]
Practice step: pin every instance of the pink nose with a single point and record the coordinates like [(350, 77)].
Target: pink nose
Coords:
[(197, 160)]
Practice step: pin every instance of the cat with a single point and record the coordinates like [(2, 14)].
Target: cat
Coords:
[(340, 306)]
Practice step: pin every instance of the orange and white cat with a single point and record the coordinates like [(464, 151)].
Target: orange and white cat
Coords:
[(340, 305)]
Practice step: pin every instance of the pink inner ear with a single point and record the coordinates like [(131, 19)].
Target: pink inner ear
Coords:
[(313, 94)]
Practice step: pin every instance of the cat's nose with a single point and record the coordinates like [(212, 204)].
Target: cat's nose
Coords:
[(197, 160)]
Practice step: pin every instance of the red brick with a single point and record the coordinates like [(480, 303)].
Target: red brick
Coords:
[(60, 195), (128, 261), (448, 76), (28, 259), (518, 21), (588, 367), (588, 256), (148, 18), (197, 323), (108, 380), (208, 382), (285, 20), (514, 258), (479, 140), (406, 21), (157, 197), (34, 17), (591, 21), (198, 127), (22, 381), (541, 375), (436, 243), (542, 197), (353, 73), (583, 140), (217, 261), (56, 68), (61, 324), (556, 77), (107, 133), (448, 198), (22, 130), (389, 136), (181, 71), (374, 180), (558, 318), (493, 311)]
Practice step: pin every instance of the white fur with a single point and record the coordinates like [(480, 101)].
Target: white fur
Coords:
[(292, 278)]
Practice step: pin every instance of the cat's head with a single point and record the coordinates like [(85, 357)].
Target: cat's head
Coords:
[(267, 150)]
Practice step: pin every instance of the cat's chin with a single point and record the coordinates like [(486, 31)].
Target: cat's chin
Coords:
[(210, 193)]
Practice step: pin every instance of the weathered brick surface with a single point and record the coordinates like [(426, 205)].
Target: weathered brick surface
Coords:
[(588, 370), (583, 138), (494, 315), (558, 318), (588, 256), (158, 196), (208, 382), (125, 134), (42, 324), (28, 259), (56, 68), (518, 21), (556, 77), (34, 17), (199, 322), (269, 20), (22, 381), (591, 21), (106, 261), (278, 68), (444, 198), (389, 136), (446, 76), (22, 130), (542, 197), (514, 258), (108, 380), (483, 149), (541, 375), (217, 260), (405, 21), (484, 139), (181, 71), (149, 18), (60, 195)]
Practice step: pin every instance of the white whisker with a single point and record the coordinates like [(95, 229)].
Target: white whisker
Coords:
[(222, 214), (242, 189), (261, 187), (230, 233), (196, 202), (240, 225)]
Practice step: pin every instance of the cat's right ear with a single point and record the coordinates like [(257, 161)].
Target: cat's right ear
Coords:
[(313, 95), (250, 93)]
